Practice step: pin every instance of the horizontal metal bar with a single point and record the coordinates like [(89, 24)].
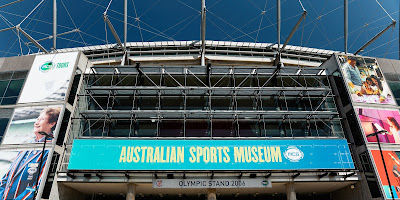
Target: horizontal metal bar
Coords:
[(50, 37), (8, 4), (221, 112), (320, 88), (6, 29)]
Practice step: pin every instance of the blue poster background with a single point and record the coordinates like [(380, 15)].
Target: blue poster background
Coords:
[(102, 154)]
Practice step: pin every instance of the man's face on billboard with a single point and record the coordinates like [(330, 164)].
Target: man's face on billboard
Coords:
[(42, 124)]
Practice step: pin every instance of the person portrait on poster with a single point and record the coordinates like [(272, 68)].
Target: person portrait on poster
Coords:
[(20, 181)]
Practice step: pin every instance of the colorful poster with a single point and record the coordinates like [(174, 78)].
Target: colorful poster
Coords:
[(392, 162), (29, 123), (19, 173), (210, 154), (49, 78), (364, 80), (386, 121)]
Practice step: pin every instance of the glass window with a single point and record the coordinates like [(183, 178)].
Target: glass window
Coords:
[(146, 128), (14, 88), (248, 129), (149, 103), (171, 128), (245, 103), (9, 100), (223, 128), (121, 128), (196, 103), (3, 126), (196, 128), (3, 86), (172, 103), (123, 103), (221, 103)]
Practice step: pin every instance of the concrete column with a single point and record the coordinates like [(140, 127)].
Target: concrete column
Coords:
[(131, 191), (290, 191), (212, 194)]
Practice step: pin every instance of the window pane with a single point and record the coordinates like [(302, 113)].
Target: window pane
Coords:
[(248, 129), (196, 103), (223, 128), (171, 128), (147, 128), (14, 88), (3, 86), (197, 128), (148, 103), (3, 126), (121, 128), (172, 103), (9, 100)]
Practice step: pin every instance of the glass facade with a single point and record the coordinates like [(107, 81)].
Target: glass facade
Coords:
[(10, 86)]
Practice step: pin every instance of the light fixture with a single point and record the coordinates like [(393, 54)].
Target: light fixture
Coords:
[(296, 175), (322, 175), (99, 176), (87, 175), (71, 175)]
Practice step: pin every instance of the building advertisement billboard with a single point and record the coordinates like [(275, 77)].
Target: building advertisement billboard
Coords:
[(209, 154), (374, 120), (392, 162), (19, 173), (28, 122), (364, 80), (49, 78)]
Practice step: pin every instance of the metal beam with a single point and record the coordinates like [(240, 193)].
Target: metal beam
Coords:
[(51, 37), (375, 37), (54, 24), (113, 31), (294, 30), (346, 20), (31, 39), (203, 32), (278, 17), (8, 4), (125, 22), (6, 29)]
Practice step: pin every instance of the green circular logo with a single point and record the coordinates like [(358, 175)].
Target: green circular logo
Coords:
[(47, 66)]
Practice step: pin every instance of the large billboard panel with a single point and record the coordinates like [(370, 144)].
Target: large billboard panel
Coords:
[(392, 162), (209, 154), (28, 122), (49, 78), (19, 173), (364, 80), (374, 120)]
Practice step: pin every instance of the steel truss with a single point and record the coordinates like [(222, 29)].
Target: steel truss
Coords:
[(185, 95)]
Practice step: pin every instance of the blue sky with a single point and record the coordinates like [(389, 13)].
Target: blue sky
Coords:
[(233, 20)]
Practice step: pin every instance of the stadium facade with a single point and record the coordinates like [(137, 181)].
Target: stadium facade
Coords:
[(151, 122)]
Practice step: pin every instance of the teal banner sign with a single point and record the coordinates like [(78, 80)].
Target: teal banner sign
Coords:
[(101, 154)]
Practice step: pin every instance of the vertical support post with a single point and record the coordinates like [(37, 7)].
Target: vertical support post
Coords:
[(125, 22), (54, 24), (131, 191), (203, 32), (212, 194), (290, 191), (278, 17), (346, 21)]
